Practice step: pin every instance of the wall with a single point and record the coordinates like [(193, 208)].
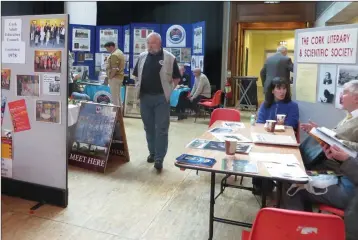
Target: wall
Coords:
[(258, 43), (330, 12)]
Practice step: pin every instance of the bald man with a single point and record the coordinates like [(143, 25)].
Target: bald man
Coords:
[(157, 74)]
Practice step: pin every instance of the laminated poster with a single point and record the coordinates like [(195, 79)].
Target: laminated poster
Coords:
[(19, 115), (6, 154)]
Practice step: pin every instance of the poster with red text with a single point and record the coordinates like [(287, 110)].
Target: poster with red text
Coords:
[(19, 115), (328, 46)]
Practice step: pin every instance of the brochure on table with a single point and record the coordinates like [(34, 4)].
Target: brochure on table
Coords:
[(82, 42), (34, 107)]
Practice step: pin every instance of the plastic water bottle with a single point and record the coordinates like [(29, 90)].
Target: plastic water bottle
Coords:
[(253, 120)]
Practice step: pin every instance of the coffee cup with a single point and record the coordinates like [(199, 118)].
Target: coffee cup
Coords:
[(270, 125), (280, 118), (230, 146)]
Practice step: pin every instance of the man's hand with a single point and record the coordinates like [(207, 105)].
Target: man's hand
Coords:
[(334, 152), (307, 127)]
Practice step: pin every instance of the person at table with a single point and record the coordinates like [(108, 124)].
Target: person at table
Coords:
[(346, 130), (201, 89), (156, 74), (342, 195), (115, 71), (278, 101), (184, 77), (72, 86)]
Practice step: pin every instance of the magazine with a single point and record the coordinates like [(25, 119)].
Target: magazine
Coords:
[(196, 160), (198, 143), (245, 166), (238, 137), (272, 139)]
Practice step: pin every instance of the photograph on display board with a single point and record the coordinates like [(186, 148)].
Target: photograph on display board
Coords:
[(176, 36), (51, 84), (126, 40), (47, 61), (19, 115), (81, 39), (185, 55), (339, 93), (80, 57), (131, 103), (3, 106), (193, 62), (48, 111), (127, 62), (47, 33), (140, 39), (6, 153), (198, 40), (327, 83), (88, 56), (107, 35), (5, 79), (346, 73), (83, 71), (28, 85), (176, 53), (201, 63)]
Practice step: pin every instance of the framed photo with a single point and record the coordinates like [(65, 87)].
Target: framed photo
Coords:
[(131, 103)]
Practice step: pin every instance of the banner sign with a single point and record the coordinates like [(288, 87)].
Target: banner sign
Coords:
[(329, 46)]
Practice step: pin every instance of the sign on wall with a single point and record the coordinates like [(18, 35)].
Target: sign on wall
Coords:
[(329, 46), (175, 36)]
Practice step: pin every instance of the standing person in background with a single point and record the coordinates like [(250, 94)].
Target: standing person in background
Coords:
[(201, 88), (71, 86), (115, 71), (278, 65), (157, 74)]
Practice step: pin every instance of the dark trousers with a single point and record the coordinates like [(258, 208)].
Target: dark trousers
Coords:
[(183, 103), (155, 112), (194, 103)]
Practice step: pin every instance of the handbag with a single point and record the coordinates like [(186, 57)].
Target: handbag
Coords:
[(321, 181)]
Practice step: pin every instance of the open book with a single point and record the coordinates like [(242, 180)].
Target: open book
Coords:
[(272, 139), (322, 134)]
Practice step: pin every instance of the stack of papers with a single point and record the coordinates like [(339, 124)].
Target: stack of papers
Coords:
[(273, 139), (234, 125), (231, 136)]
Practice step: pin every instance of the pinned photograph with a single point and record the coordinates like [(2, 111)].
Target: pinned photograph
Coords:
[(346, 73), (88, 56), (47, 33), (176, 53), (5, 79), (48, 111), (47, 61), (83, 71), (81, 39), (51, 84), (28, 85), (185, 55), (326, 83)]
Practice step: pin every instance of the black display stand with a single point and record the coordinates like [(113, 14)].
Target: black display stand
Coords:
[(247, 93)]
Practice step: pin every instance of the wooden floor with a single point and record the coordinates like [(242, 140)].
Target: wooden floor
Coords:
[(132, 201)]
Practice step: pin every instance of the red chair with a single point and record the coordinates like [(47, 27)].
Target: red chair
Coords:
[(326, 208), (210, 105), (274, 223), (224, 114)]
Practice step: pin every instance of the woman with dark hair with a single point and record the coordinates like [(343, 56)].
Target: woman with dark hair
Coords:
[(278, 101)]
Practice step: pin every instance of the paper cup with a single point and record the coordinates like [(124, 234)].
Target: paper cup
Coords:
[(270, 125), (230, 146), (280, 118)]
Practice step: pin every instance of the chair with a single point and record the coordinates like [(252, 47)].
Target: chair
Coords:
[(274, 223), (224, 114), (326, 208), (210, 105)]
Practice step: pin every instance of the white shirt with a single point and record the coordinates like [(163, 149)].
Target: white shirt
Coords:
[(354, 114)]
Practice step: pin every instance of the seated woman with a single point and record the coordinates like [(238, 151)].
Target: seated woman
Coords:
[(277, 101), (201, 88)]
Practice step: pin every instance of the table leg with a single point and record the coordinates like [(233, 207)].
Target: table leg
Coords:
[(212, 203), (264, 193), (279, 194)]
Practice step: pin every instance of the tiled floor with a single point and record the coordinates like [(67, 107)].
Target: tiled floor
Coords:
[(132, 201)]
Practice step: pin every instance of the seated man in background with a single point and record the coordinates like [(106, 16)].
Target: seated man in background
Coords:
[(341, 195), (184, 77), (346, 130), (201, 89)]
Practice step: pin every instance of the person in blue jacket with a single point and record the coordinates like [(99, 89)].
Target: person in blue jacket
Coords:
[(277, 101)]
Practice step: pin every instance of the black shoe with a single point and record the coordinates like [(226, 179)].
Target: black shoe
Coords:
[(158, 165), (150, 158)]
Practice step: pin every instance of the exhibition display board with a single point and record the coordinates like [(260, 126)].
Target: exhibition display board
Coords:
[(82, 42), (34, 107), (99, 135), (325, 59)]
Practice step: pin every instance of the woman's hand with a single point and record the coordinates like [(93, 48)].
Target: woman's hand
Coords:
[(307, 127)]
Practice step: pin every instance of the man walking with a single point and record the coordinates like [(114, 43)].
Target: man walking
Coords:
[(157, 74), (115, 71), (278, 65)]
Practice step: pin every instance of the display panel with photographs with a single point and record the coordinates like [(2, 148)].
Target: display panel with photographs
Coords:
[(140, 39), (5, 79), (28, 85), (107, 35), (81, 39), (48, 111), (47, 33), (198, 40), (47, 61), (131, 102), (182, 55)]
